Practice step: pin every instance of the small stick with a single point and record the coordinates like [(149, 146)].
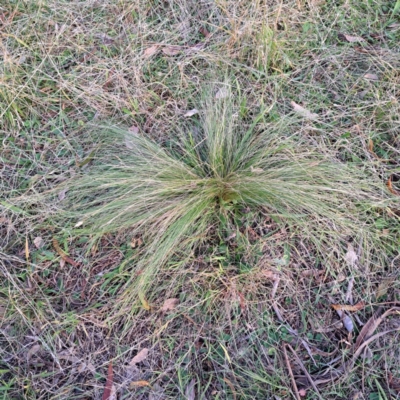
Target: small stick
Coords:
[(296, 391), (305, 371)]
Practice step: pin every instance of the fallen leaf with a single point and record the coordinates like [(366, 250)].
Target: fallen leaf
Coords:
[(150, 51), (222, 93), (256, 170), (78, 224), (171, 50), (345, 307), (351, 256), (133, 129), (69, 357), (395, 25), (372, 324), (38, 242), (169, 304), (194, 49), (341, 278), (86, 367), (191, 112), (32, 351), (190, 393), (269, 274), (136, 384), (141, 356), (145, 303), (389, 184), (61, 195), (136, 242), (62, 254), (316, 273), (104, 38), (109, 383), (302, 392), (347, 321), (353, 39), (303, 111), (372, 77), (204, 32), (132, 132), (383, 287), (367, 354), (371, 145)]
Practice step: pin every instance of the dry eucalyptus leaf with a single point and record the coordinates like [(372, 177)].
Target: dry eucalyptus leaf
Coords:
[(190, 393), (372, 324), (150, 51), (141, 356), (303, 111), (372, 77), (61, 195), (137, 384), (302, 392), (86, 367), (269, 274), (191, 112), (132, 131), (171, 50), (256, 170), (194, 49), (347, 321), (109, 389), (32, 351), (136, 242), (346, 307), (383, 287), (353, 39), (367, 354), (222, 93), (169, 304), (351, 256), (38, 242)]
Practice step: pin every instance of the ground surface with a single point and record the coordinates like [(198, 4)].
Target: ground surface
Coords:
[(234, 323)]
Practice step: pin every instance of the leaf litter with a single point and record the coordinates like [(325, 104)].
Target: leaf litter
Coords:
[(109, 393), (38, 242), (169, 304), (303, 111), (365, 337), (141, 356), (190, 113)]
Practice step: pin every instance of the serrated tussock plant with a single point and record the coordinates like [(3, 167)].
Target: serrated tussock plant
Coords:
[(172, 194)]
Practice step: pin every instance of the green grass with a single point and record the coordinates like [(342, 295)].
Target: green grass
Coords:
[(209, 209)]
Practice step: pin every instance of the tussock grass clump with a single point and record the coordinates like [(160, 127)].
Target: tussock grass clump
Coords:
[(173, 194)]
